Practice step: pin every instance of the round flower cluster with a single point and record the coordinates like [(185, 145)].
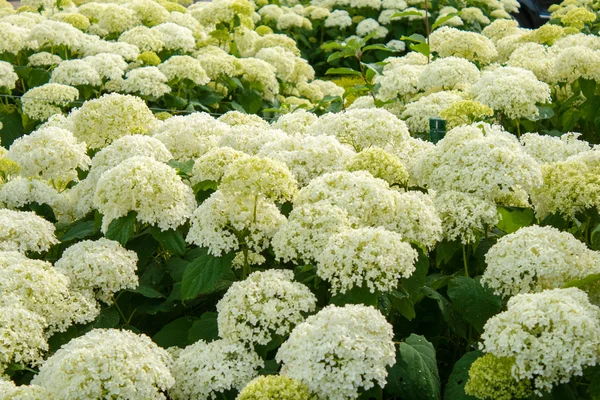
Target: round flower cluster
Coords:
[(490, 377), (447, 41), (8, 77), (25, 231), (202, 370), (369, 257), (536, 258), (42, 102), (339, 350), (549, 149), (22, 333), (400, 80), (418, 113), (450, 73), (464, 216), (275, 387), (107, 363), (147, 82), (184, 67), (551, 335), (465, 112), (264, 304), (380, 164), (103, 267), (75, 73), (150, 188)]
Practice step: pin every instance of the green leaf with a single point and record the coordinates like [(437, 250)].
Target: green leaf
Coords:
[(404, 305), (342, 71), (588, 87), (445, 251), (415, 283), (148, 291), (514, 218), (271, 368), (79, 230), (251, 101), (37, 77), (415, 37), (174, 102), (415, 374), (474, 302), (108, 318), (422, 48), (176, 267), (380, 47), (455, 388), (356, 295), (171, 240), (545, 112), (121, 229), (202, 275), (205, 328), (406, 14), (593, 375), (581, 283), (12, 126), (175, 333), (449, 314), (443, 19)]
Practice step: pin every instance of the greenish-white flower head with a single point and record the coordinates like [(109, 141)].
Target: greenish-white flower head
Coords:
[(264, 304), (490, 378), (212, 165), (42, 102), (380, 164), (25, 231), (275, 387)]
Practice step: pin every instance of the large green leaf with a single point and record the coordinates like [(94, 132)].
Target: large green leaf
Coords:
[(175, 333), (202, 274), (121, 229), (474, 302), (12, 126), (171, 240), (79, 230), (342, 71), (415, 374), (250, 100), (356, 295), (455, 389), (514, 218), (416, 281), (205, 328)]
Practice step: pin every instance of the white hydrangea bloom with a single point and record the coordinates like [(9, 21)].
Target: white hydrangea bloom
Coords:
[(250, 139), (101, 121), (575, 62), (217, 62), (308, 157), (500, 28), (96, 46), (107, 363), (417, 113), (511, 90), (399, 81), (202, 369), (19, 192), (43, 59), (307, 231), (368, 26), (380, 164), (213, 164), (447, 41), (8, 77), (338, 19), (25, 231), (52, 154), (74, 73), (536, 258), (144, 38), (13, 38), (482, 160), (280, 58), (22, 392), (535, 57), (23, 340), (146, 81), (50, 33), (552, 336), (42, 102), (150, 188), (450, 73), (184, 67), (464, 216), (38, 287), (549, 149), (236, 118), (295, 122), (291, 21), (190, 136), (375, 4), (339, 350), (265, 303), (259, 71), (108, 65), (103, 267), (115, 19), (224, 218), (362, 128), (374, 258)]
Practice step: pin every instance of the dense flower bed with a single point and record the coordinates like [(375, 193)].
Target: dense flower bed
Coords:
[(240, 200)]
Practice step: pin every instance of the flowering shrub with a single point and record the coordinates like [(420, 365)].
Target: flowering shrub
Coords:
[(238, 200)]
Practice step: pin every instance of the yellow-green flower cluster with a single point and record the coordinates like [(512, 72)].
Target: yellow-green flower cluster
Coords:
[(275, 387), (490, 378)]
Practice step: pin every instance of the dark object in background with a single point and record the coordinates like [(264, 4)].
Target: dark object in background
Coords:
[(534, 13)]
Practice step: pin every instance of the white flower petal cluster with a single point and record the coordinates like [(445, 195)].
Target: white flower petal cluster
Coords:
[(339, 350), (257, 176), (42, 102), (25, 231), (50, 33), (146, 81), (338, 19), (22, 392), (144, 38), (450, 73), (398, 81), (175, 37), (307, 231), (22, 337), (264, 304), (535, 57), (259, 71), (202, 370), (150, 188), (308, 157), (217, 62), (41, 289), (280, 58), (107, 363), (108, 65), (417, 113), (13, 38), (8, 77), (236, 118), (368, 26), (447, 41), (19, 192), (536, 258), (362, 128), (43, 59), (226, 220), (373, 258), (577, 62), (102, 266), (511, 90), (250, 139), (188, 137), (482, 160), (550, 149), (552, 336), (75, 73), (212, 165), (380, 164), (51, 154), (295, 122), (184, 67), (464, 216)]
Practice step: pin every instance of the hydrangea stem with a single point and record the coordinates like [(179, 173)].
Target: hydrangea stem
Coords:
[(465, 262)]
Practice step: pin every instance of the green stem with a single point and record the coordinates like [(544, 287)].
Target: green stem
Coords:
[(246, 267), (519, 128), (465, 262), (586, 232)]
